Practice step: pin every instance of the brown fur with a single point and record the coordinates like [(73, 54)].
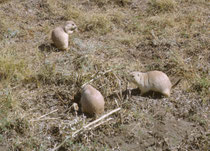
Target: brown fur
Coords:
[(60, 35), (152, 81), (92, 101)]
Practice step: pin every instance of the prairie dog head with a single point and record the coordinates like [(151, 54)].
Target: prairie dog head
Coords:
[(70, 27), (137, 77)]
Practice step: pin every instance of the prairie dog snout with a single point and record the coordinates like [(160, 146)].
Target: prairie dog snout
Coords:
[(70, 27), (60, 35), (92, 101), (152, 81)]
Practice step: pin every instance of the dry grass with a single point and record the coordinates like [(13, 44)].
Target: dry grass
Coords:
[(161, 6), (38, 86), (13, 68), (4, 1)]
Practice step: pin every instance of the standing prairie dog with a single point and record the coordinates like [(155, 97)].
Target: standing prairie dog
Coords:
[(152, 81), (60, 35), (92, 101)]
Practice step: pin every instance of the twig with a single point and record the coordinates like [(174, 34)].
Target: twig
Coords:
[(154, 36), (46, 119), (101, 118), (91, 123), (128, 93), (119, 83), (102, 122), (45, 115), (86, 126), (116, 102), (96, 77)]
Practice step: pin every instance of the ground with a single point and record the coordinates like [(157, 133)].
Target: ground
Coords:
[(39, 83)]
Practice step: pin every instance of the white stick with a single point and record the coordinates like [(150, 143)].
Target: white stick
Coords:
[(101, 123), (102, 117), (46, 119), (97, 120), (44, 115), (56, 148), (116, 102), (86, 126)]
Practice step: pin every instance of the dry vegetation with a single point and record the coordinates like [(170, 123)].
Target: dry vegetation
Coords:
[(38, 84)]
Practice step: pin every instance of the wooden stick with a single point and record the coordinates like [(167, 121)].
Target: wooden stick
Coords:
[(97, 120), (46, 119), (44, 115), (101, 123), (86, 126), (102, 117), (116, 102), (119, 83)]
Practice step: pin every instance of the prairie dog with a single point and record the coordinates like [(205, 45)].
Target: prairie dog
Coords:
[(92, 101), (60, 35), (152, 81)]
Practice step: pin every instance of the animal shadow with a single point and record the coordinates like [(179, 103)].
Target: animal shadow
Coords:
[(48, 48), (125, 93), (150, 94), (135, 92), (76, 99), (153, 95)]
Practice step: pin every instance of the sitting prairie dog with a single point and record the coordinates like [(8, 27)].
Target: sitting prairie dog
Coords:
[(92, 101), (152, 81), (60, 35)]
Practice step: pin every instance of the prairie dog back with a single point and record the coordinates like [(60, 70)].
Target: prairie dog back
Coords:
[(92, 101), (159, 79)]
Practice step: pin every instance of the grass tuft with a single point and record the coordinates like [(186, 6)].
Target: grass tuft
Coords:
[(73, 13), (161, 6), (202, 87), (98, 23), (12, 69)]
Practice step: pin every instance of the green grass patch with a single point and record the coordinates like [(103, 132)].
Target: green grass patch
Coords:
[(12, 69)]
